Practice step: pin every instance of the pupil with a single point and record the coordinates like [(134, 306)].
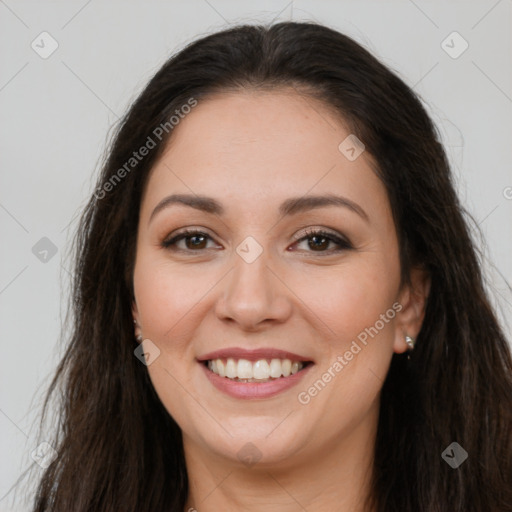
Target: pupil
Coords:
[(322, 245), (196, 237)]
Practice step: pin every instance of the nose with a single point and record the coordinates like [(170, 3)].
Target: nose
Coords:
[(254, 295)]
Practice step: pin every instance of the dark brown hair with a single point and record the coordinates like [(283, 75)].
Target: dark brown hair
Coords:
[(119, 449)]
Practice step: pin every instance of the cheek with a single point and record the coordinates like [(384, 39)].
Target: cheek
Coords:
[(350, 298), (168, 299), (169, 302), (357, 307), (355, 304)]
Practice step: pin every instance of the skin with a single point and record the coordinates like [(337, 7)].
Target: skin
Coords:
[(251, 150)]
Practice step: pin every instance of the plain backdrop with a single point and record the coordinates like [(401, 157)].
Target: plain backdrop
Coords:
[(56, 113)]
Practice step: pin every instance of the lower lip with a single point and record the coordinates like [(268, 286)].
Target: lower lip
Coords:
[(251, 390)]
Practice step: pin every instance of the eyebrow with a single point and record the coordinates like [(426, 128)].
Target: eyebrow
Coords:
[(289, 207)]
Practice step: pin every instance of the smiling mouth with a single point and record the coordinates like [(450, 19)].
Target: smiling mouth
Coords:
[(262, 370)]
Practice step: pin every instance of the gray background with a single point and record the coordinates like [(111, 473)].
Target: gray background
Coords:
[(56, 113)]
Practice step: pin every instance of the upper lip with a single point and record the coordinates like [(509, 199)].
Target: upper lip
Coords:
[(252, 355)]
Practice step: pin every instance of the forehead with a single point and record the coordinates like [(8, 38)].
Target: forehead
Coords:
[(253, 145)]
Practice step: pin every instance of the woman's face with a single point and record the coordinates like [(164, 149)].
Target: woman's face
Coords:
[(256, 289)]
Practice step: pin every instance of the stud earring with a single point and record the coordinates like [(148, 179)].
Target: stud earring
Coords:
[(139, 337)]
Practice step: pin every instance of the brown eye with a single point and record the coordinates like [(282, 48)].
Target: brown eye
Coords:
[(193, 240), (319, 241)]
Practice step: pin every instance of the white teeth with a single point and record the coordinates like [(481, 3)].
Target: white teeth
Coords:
[(230, 368), (221, 369), (244, 369), (261, 370), (275, 368), (286, 367)]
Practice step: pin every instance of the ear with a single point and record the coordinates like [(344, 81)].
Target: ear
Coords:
[(135, 314), (413, 299)]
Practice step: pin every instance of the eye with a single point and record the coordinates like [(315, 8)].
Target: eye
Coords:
[(318, 240), (194, 240)]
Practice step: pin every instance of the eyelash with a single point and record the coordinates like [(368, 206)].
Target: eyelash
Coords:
[(310, 233)]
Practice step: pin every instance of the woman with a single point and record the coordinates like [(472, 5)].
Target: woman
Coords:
[(278, 305)]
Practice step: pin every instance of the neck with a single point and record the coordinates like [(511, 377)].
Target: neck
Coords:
[(335, 477)]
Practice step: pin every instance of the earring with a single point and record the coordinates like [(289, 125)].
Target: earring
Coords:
[(410, 342)]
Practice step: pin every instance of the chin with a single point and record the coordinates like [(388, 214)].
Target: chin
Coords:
[(254, 442)]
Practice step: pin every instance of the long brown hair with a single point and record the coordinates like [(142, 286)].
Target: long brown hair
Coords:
[(119, 449)]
